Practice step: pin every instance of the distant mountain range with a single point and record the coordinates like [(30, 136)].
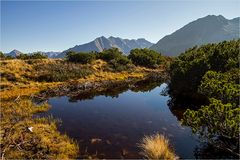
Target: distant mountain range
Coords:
[(15, 53), (209, 29), (101, 43), (52, 54)]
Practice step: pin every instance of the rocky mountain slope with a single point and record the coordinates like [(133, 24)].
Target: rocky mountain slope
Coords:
[(209, 29)]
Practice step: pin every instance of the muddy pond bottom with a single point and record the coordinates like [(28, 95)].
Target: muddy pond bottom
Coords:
[(112, 126)]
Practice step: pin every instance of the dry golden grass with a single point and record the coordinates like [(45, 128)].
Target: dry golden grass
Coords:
[(24, 137), (157, 147), (23, 70), (45, 142), (25, 90)]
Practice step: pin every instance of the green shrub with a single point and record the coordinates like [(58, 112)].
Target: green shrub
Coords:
[(37, 55), (81, 57), (211, 70), (109, 54), (217, 123), (116, 60), (2, 55), (122, 60), (145, 57), (222, 86), (187, 70)]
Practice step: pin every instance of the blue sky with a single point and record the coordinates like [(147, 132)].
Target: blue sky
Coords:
[(58, 25)]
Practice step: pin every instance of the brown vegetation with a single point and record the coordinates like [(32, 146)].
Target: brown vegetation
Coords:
[(33, 76), (157, 147), (23, 136)]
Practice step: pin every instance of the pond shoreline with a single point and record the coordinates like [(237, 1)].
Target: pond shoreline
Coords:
[(75, 88)]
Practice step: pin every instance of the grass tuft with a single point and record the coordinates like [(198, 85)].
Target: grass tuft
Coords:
[(157, 147)]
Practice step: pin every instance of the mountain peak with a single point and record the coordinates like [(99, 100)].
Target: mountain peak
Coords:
[(209, 29), (14, 53), (15, 50), (101, 43), (111, 37), (102, 37), (214, 16), (212, 19)]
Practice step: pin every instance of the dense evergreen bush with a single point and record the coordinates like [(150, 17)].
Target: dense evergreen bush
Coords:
[(115, 58), (145, 57), (109, 54), (187, 70), (213, 71), (82, 57)]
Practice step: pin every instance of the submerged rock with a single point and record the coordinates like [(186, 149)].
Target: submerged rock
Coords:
[(95, 140)]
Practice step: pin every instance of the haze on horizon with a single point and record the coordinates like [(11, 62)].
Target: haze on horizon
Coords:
[(55, 26)]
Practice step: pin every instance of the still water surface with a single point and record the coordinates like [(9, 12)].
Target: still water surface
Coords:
[(112, 127)]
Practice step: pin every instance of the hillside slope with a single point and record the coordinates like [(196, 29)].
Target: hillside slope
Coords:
[(209, 29)]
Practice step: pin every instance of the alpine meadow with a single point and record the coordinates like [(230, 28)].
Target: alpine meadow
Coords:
[(119, 80)]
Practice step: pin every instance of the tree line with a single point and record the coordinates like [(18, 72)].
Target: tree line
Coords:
[(37, 55), (142, 57)]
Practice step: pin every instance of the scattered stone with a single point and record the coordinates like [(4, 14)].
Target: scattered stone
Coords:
[(30, 129), (95, 140), (170, 135), (164, 128), (124, 152), (108, 142)]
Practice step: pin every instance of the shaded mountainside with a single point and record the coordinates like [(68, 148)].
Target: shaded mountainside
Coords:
[(14, 53), (209, 29), (101, 43), (51, 54)]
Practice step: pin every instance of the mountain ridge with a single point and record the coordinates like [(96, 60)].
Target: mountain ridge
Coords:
[(208, 29), (101, 43)]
